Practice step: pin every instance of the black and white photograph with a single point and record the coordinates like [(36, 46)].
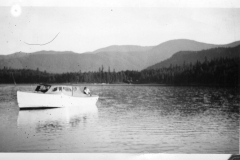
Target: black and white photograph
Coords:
[(117, 77)]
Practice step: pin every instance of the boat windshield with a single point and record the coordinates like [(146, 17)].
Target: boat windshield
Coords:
[(42, 88)]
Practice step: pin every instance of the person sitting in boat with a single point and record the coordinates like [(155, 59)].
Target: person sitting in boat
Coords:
[(86, 91)]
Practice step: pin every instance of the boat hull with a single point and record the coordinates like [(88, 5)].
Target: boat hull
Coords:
[(41, 100)]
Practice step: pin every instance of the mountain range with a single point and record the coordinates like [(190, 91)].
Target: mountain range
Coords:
[(191, 57), (125, 57)]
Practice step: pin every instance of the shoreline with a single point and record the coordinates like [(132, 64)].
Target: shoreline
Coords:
[(126, 84)]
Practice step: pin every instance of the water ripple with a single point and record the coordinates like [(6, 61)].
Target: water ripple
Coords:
[(131, 119)]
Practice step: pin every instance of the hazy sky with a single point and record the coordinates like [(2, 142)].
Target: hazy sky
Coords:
[(84, 29)]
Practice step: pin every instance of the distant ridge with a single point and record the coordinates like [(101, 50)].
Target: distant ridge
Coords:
[(187, 57), (124, 48), (126, 57), (167, 49)]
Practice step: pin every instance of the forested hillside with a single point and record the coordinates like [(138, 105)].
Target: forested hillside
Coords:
[(220, 72), (188, 57)]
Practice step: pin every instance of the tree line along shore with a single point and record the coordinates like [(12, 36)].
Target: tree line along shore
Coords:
[(218, 72)]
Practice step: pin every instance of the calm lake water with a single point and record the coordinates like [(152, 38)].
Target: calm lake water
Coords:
[(130, 119)]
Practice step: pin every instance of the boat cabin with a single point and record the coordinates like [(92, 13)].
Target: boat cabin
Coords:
[(58, 89)]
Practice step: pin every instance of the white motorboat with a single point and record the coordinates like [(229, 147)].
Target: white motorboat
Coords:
[(51, 96)]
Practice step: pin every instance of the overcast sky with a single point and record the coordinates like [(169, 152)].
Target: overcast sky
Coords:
[(84, 28)]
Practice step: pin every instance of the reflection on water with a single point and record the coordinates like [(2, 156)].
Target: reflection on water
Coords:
[(127, 118), (49, 120)]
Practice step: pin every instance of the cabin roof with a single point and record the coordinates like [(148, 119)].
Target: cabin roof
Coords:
[(57, 85)]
